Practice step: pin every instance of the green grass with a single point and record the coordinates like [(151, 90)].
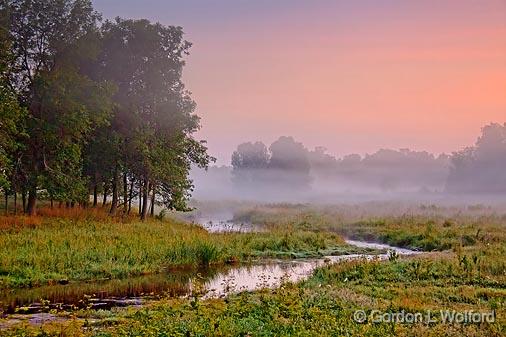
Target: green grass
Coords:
[(417, 229), (470, 275), (89, 249), (321, 306)]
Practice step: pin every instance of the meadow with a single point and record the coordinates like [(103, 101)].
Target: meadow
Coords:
[(463, 269), (64, 245)]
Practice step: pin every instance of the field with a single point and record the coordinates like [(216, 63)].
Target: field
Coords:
[(81, 245), (463, 270)]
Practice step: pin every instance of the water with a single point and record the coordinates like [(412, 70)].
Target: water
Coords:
[(223, 226), (27, 305)]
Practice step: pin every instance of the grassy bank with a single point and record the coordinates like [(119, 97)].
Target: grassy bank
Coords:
[(324, 305), (470, 276), (420, 228), (86, 245)]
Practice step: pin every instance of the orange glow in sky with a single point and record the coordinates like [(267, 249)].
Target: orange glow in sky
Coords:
[(353, 76)]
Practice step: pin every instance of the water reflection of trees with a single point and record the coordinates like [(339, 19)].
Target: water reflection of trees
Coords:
[(80, 294)]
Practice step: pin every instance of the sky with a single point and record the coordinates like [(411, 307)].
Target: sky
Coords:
[(352, 76)]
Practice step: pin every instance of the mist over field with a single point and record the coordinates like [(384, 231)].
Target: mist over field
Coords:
[(252, 168), (287, 171)]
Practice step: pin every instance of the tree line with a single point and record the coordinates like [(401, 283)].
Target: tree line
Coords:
[(92, 109), (481, 168), (476, 169)]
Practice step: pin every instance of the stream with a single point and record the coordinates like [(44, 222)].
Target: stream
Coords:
[(26, 305)]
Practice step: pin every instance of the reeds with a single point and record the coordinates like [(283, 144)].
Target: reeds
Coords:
[(86, 244)]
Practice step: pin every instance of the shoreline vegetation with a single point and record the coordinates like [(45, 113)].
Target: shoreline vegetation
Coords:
[(64, 245), (423, 228), (468, 276)]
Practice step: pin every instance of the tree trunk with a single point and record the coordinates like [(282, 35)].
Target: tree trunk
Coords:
[(114, 203), (145, 198), (23, 199), (131, 196), (51, 203), (141, 189), (95, 195), (106, 190), (31, 208), (125, 193), (152, 210), (15, 202), (6, 201)]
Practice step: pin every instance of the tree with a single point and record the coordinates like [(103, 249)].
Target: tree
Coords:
[(250, 156), (480, 168), (12, 117), (287, 154), (291, 159), (154, 119), (50, 40), (105, 107), (249, 162), (11, 130)]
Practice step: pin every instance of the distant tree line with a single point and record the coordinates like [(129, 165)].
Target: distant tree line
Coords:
[(92, 108), (285, 163), (477, 169), (481, 168)]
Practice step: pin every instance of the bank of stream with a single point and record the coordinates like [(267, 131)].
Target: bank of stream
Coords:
[(42, 304)]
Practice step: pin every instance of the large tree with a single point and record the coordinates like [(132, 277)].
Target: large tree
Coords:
[(289, 159), (106, 108), (12, 116), (250, 162), (50, 41), (154, 119)]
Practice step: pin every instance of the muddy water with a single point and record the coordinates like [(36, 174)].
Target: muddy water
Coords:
[(138, 290)]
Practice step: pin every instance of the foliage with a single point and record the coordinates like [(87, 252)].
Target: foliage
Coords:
[(324, 304), (100, 101), (285, 163), (479, 169)]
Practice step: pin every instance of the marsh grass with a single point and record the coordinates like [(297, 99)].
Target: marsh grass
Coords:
[(469, 275), (88, 245), (321, 306), (423, 228)]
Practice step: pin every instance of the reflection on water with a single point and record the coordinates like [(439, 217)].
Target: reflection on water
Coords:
[(100, 294), (33, 304), (269, 275), (217, 282), (273, 274), (223, 226)]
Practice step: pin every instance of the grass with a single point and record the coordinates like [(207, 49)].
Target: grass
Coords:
[(470, 275), (424, 228), (321, 306), (83, 245)]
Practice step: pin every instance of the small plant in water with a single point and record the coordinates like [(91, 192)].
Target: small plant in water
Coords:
[(198, 290)]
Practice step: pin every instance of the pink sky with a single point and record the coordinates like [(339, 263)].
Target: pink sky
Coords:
[(351, 76)]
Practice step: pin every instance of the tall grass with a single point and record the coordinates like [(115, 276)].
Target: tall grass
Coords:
[(426, 228), (87, 245)]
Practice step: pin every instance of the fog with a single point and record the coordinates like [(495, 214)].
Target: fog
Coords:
[(287, 171)]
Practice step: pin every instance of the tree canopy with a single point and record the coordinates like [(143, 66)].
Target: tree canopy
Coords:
[(94, 108), (481, 168)]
